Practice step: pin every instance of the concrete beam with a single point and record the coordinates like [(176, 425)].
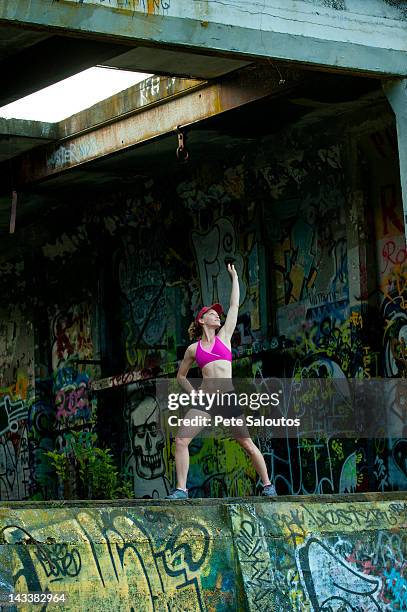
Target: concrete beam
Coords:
[(28, 129), (175, 63), (18, 136), (147, 123), (396, 92), (336, 34)]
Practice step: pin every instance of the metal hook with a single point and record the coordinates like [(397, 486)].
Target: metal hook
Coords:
[(182, 153)]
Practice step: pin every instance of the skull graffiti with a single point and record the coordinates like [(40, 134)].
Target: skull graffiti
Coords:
[(147, 440)]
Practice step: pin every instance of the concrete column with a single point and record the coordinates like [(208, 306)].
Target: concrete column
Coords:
[(396, 92)]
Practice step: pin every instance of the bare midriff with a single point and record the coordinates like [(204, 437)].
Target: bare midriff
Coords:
[(220, 369)]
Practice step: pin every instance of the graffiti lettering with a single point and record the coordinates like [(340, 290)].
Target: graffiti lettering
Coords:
[(10, 414), (68, 402), (337, 582), (14, 467), (393, 255), (156, 86), (254, 558), (72, 153), (353, 515)]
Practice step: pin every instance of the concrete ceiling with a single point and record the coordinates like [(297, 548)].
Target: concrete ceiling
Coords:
[(14, 40), (321, 98), (128, 119), (175, 63), (31, 60)]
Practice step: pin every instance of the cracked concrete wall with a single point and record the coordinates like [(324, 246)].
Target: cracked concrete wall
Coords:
[(386, 8), (241, 555)]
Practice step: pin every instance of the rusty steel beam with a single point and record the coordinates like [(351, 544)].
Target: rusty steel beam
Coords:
[(155, 89), (185, 109)]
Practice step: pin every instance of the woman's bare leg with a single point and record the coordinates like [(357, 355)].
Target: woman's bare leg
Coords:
[(256, 457), (182, 440), (182, 461)]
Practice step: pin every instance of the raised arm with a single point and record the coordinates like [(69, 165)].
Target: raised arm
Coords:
[(183, 370), (231, 318)]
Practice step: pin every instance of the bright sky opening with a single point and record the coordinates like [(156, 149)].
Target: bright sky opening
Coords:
[(71, 95)]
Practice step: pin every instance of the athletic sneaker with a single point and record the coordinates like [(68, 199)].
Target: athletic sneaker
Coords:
[(177, 494), (269, 491)]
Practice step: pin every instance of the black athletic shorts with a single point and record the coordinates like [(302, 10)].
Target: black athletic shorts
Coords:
[(225, 403)]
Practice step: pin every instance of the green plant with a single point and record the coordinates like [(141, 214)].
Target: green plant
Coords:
[(126, 490), (96, 468), (60, 463)]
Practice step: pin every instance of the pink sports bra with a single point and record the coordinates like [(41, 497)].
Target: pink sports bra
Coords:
[(219, 351)]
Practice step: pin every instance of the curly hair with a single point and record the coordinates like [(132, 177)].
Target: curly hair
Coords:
[(194, 331)]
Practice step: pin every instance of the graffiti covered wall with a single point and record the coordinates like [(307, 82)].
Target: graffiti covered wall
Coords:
[(284, 555), (380, 149), (293, 220), (48, 359), (16, 394)]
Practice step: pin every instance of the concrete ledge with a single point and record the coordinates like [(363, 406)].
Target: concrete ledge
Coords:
[(286, 553), (206, 501)]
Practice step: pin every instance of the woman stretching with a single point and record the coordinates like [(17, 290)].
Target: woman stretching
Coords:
[(213, 355)]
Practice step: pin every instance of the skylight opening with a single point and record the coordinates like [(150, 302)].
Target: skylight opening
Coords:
[(72, 95)]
